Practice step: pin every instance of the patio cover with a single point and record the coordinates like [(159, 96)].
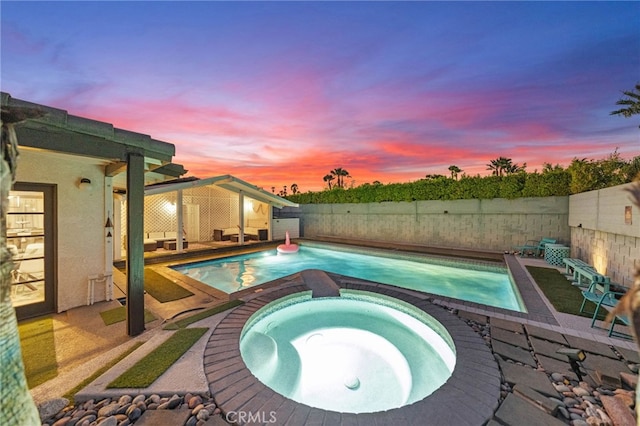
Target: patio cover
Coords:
[(227, 182)]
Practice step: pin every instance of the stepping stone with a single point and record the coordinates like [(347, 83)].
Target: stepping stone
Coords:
[(513, 352), (629, 354), (536, 380), (547, 404), (607, 371), (163, 417), (507, 325), (510, 337), (619, 413), (547, 348), (480, 319), (516, 410), (552, 365), (545, 334), (590, 346)]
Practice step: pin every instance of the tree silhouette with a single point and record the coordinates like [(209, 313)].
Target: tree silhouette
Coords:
[(294, 188), (454, 172), (328, 179), (504, 166), (632, 104), (340, 174)]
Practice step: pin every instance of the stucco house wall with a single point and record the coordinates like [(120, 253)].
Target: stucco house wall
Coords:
[(80, 219)]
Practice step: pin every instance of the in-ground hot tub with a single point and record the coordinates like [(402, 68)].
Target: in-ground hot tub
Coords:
[(359, 353)]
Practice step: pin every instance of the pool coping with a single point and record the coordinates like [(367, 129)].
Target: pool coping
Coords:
[(476, 377)]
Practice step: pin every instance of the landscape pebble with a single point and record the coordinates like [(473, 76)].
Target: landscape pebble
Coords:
[(578, 403), (126, 410)]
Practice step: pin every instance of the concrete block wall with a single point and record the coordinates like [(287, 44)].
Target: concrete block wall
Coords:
[(602, 236), (595, 224), (496, 224)]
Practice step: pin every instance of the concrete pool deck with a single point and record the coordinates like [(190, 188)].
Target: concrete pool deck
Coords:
[(541, 323)]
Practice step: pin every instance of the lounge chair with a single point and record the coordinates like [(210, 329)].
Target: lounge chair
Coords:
[(534, 247)]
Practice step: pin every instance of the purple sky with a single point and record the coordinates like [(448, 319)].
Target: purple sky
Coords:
[(282, 92)]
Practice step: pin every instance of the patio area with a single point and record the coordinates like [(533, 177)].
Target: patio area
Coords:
[(502, 389)]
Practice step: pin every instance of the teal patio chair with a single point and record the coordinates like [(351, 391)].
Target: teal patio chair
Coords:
[(535, 247), (601, 294)]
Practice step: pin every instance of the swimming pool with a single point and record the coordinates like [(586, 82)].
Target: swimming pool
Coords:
[(471, 281)]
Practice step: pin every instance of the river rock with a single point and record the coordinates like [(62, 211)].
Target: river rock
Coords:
[(138, 399), (194, 401), (109, 421), (108, 410), (578, 391)]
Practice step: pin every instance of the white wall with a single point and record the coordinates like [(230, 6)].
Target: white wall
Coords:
[(80, 219)]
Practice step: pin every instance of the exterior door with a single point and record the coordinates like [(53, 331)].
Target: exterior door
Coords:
[(31, 239)]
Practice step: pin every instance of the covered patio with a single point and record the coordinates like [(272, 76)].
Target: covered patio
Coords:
[(215, 212)]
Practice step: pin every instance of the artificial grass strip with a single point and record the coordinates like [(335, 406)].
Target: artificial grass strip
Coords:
[(162, 288), (563, 296), (38, 350), (203, 314), (69, 395), (148, 369), (119, 314)]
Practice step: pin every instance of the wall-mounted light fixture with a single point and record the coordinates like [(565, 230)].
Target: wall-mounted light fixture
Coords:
[(84, 184)]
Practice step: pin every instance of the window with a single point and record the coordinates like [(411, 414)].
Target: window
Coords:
[(30, 240)]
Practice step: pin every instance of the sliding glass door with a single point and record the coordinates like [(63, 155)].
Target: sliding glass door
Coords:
[(31, 240)]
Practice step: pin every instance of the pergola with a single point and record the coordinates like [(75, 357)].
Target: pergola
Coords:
[(131, 161)]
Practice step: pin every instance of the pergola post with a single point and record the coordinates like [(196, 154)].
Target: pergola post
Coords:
[(135, 244), (180, 220), (241, 216)]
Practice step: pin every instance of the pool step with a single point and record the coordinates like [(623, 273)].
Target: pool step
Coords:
[(319, 283)]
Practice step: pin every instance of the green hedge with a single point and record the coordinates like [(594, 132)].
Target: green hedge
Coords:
[(476, 187)]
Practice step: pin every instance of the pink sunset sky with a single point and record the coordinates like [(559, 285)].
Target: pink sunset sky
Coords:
[(278, 93)]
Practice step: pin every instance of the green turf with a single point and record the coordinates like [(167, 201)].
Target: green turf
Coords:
[(143, 373), (202, 314), (119, 314), (563, 296), (69, 395), (38, 350), (162, 288)]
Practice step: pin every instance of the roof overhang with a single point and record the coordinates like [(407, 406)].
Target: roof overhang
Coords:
[(58, 131), (228, 182)]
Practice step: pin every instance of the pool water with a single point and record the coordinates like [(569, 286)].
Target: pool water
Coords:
[(473, 282), (358, 353)]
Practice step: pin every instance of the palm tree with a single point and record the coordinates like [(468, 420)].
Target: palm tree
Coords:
[(340, 173), (294, 188), (515, 168), (632, 104), (503, 165), (454, 172), (328, 179)]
